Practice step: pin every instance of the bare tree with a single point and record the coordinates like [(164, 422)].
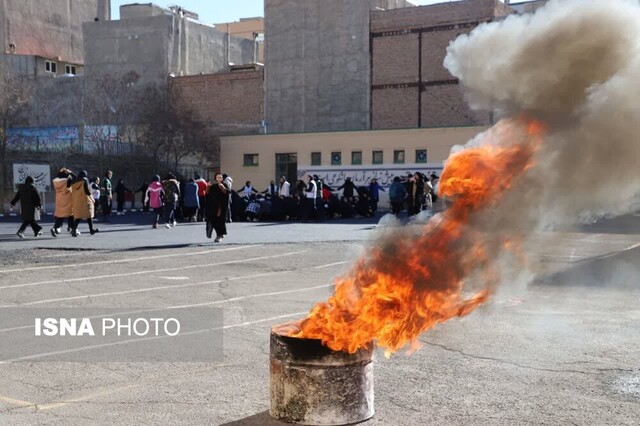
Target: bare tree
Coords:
[(108, 108), (152, 128), (185, 137), (14, 104)]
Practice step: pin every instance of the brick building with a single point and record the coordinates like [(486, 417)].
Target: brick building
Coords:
[(373, 69), (227, 103), (353, 65), (410, 86)]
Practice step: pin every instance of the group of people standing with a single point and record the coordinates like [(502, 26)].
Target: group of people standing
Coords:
[(416, 192), (313, 199), (211, 202)]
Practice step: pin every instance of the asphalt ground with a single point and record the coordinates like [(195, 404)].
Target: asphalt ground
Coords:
[(560, 348)]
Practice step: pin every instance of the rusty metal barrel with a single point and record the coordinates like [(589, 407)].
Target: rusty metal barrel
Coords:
[(313, 385)]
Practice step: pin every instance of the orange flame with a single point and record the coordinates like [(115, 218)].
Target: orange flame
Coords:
[(404, 286)]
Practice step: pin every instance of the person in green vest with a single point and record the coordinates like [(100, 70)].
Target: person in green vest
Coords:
[(106, 195)]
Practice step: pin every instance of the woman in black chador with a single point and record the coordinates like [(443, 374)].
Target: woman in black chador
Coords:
[(216, 208), (30, 202)]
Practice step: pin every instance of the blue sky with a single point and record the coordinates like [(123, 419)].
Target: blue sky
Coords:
[(212, 11)]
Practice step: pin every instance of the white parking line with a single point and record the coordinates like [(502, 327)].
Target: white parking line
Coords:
[(143, 290), (615, 253), (181, 268), (125, 342), (328, 265), (132, 259), (194, 305)]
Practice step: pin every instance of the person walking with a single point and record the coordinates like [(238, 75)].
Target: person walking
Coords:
[(82, 203), (63, 201), (171, 196), (154, 198), (228, 182), (143, 193), (191, 201), (120, 191), (30, 207), (94, 184), (202, 192), (216, 206), (106, 195)]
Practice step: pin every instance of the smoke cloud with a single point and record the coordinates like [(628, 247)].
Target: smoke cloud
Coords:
[(565, 82), (574, 65)]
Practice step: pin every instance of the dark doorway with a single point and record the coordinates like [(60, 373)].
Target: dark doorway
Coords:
[(287, 165)]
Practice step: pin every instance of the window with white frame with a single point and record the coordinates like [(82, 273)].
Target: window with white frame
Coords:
[(50, 66), (70, 69)]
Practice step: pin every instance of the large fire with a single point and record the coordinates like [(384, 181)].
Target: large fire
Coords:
[(403, 286)]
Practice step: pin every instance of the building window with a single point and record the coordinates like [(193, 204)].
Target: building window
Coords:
[(336, 158), (50, 66), (421, 155), (398, 156), (316, 158), (70, 69), (377, 158), (250, 159), (356, 157)]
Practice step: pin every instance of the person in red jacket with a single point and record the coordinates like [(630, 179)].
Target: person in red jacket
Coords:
[(202, 192)]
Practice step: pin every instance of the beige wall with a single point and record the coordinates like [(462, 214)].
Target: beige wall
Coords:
[(437, 142)]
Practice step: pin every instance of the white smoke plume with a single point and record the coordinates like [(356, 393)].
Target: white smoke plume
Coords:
[(575, 65)]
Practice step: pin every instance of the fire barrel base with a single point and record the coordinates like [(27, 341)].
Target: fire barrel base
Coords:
[(313, 385)]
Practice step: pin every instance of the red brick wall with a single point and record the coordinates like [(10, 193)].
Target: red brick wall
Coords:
[(438, 14), (395, 59), (444, 106), (395, 70), (230, 102), (434, 50), (395, 108)]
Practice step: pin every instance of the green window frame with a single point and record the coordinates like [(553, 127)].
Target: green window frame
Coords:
[(251, 160), (398, 156), (316, 158), (336, 158)]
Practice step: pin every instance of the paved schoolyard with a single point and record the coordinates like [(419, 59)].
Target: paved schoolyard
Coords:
[(561, 350)]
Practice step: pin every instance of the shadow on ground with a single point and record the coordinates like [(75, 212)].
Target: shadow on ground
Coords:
[(627, 224), (614, 270), (260, 419)]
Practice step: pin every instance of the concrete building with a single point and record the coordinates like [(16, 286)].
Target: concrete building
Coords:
[(334, 156), (318, 64), (346, 65), (147, 45), (45, 38), (43, 50), (354, 65), (248, 29), (150, 43)]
